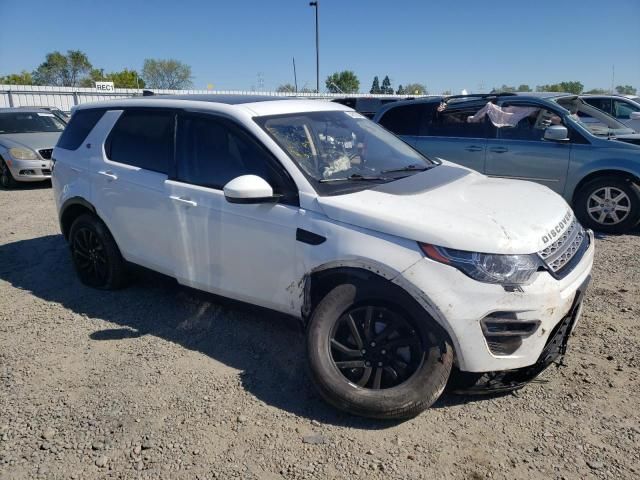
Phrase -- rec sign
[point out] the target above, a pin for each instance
(105, 86)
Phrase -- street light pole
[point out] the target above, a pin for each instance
(315, 4)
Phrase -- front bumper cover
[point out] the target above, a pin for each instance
(469, 383)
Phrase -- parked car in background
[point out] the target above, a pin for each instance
(400, 267)
(622, 108)
(27, 138)
(596, 167)
(367, 106)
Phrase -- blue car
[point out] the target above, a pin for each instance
(538, 137)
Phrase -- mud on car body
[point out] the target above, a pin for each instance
(403, 269)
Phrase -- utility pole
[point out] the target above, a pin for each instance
(295, 77)
(315, 4)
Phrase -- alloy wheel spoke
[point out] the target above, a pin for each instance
(602, 217)
(391, 371)
(349, 352)
(354, 331)
(620, 196)
(622, 208)
(377, 379)
(368, 315)
(366, 375)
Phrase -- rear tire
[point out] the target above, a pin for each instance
(608, 204)
(7, 181)
(361, 390)
(96, 257)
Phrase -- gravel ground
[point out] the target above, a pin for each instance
(160, 382)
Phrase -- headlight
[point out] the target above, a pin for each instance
(486, 267)
(23, 154)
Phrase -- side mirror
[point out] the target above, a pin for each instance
(249, 189)
(634, 116)
(556, 133)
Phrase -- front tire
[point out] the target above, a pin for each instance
(7, 181)
(96, 257)
(608, 204)
(374, 352)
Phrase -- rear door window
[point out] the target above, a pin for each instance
(81, 123)
(454, 123)
(603, 104)
(405, 119)
(144, 139)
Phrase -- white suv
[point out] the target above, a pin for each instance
(407, 272)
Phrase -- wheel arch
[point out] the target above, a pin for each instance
(613, 172)
(72, 209)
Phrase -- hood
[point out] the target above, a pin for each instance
(34, 141)
(455, 207)
(633, 138)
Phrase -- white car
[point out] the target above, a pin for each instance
(406, 271)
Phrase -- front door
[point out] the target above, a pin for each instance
(241, 251)
(521, 152)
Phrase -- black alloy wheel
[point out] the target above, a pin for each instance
(375, 347)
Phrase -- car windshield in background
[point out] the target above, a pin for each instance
(596, 121)
(343, 147)
(29, 122)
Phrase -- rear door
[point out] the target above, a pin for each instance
(521, 152)
(128, 186)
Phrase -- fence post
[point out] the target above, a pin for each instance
(75, 98)
(10, 98)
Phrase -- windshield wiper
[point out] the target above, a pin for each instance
(356, 178)
(408, 168)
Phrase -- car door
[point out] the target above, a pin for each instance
(439, 134)
(521, 152)
(242, 251)
(128, 175)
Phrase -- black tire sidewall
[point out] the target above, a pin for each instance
(115, 263)
(633, 192)
(403, 401)
(10, 182)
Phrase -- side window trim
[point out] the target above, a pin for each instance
(107, 143)
(291, 198)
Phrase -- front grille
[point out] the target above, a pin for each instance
(558, 255)
(46, 153)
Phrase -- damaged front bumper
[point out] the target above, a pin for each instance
(470, 383)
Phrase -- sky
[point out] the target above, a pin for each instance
(246, 44)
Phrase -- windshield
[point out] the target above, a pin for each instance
(339, 146)
(29, 122)
(594, 120)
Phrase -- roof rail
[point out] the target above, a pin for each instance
(479, 95)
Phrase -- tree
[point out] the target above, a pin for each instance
(375, 86)
(569, 87)
(22, 78)
(343, 82)
(415, 89)
(505, 89)
(169, 74)
(123, 79)
(386, 86)
(524, 88)
(400, 90)
(286, 88)
(626, 90)
(597, 91)
(62, 70)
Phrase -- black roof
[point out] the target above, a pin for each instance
(228, 99)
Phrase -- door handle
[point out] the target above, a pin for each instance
(184, 200)
(499, 149)
(473, 148)
(109, 174)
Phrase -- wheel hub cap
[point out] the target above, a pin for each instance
(608, 206)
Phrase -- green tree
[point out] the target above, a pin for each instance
(386, 86)
(343, 82)
(286, 88)
(169, 74)
(505, 89)
(400, 90)
(568, 87)
(626, 90)
(123, 79)
(597, 91)
(62, 70)
(22, 78)
(415, 89)
(375, 86)
(524, 88)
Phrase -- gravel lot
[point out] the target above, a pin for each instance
(160, 382)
